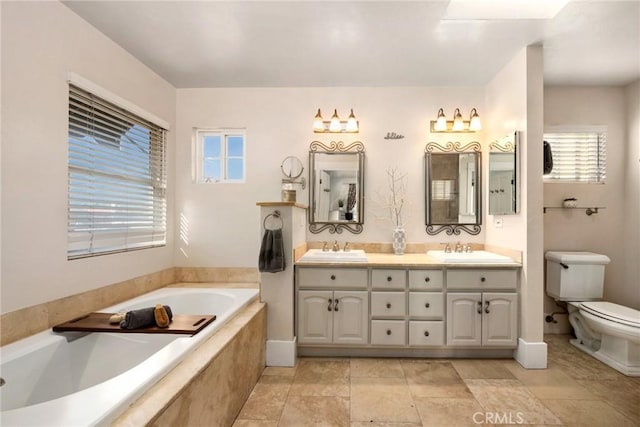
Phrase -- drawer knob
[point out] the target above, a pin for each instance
(427, 305)
(482, 279)
(388, 305)
(427, 279)
(388, 331)
(389, 278)
(333, 277)
(426, 333)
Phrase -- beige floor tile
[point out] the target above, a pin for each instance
(376, 368)
(279, 371)
(592, 413)
(511, 398)
(383, 424)
(382, 399)
(551, 383)
(255, 423)
(440, 411)
(321, 377)
(482, 369)
(315, 411)
(434, 379)
(623, 395)
(267, 399)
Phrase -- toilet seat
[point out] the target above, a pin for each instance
(613, 312)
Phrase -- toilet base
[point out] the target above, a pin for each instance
(629, 366)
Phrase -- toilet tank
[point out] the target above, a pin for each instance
(575, 276)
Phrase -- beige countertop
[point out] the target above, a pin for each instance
(406, 260)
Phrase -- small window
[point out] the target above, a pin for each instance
(579, 156)
(220, 156)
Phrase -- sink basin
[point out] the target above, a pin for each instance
(469, 257)
(354, 255)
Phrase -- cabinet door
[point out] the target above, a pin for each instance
(315, 317)
(464, 319)
(499, 319)
(350, 317)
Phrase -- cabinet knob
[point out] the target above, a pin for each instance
(388, 305)
(388, 331)
(482, 279)
(389, 278)
(427, 305)
(426, 333)
(333, 277)
(486, 307)
(427, 279)
(335, 305)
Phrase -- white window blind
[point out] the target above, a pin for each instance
(117, 179)
(577, 156)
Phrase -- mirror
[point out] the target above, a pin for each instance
(453, 188)
(504, 180)
(336, 196)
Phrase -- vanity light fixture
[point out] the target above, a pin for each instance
(458, 124)
(335, 125)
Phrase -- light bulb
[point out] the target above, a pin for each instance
(352, 123)
(441, 121)
(318, 126)
(334, 126)
(458, 123)
(474, 123)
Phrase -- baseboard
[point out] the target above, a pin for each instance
(281, 353)
(531, 355)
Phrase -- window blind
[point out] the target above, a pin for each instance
(117, 179)
(577, 156)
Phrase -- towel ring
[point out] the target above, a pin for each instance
(275, 214)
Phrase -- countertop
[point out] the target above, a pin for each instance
(407, 260)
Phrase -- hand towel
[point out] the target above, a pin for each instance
(142, 317)
(271, 258)
(548, 158)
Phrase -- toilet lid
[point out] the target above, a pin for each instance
(614, 312)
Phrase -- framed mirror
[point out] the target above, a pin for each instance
(504, 179)
(453, 188)
(336, 191)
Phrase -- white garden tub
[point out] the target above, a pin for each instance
(73, 379)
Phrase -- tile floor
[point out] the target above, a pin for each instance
(575, 390)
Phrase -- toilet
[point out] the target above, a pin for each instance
(609, 332)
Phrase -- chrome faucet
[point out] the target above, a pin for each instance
(459, 247)
(325, 247)
(467, 248)
(336, 246)
(346, 247)
(447, 248)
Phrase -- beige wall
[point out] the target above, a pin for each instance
(223, 221)
(514, 102)
(613, 231)
(41, 42)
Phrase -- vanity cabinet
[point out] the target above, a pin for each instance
(487, 316)
(333, 306)
(333, 317)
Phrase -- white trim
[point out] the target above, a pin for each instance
(281, 353)
(531, 355)
(107, 95)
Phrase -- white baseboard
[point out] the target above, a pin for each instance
(531, 355)
(281, 353)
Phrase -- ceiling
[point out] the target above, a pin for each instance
(364, 43)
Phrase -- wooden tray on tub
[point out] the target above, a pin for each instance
(189, 324)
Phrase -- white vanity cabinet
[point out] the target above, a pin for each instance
(332, 316)
(483, 318)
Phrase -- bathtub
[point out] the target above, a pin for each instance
(76, 379)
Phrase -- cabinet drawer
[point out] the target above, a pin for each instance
(482, 279)
(424, 333)
(388, 304)
(388, 332)
(425, 279)
(388, 279)
(335, 278)
(426, 304)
